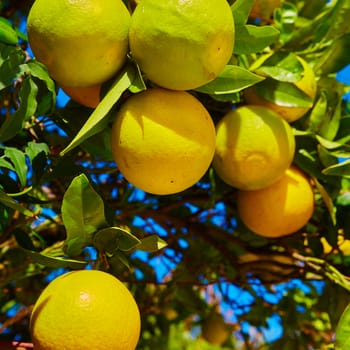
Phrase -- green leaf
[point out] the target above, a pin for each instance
(281, 66)
(152, 244)
(283, 93)
(327, 201)
(27, 108)
(335, 57)
(5, 164)
(112, 239)
(342, 332)
(97, 120)
(7, 34)
(318, 112)
(8, 201)
(250, 39)
(47, 88)
(54, 261)
(11, 64)
(82, 214)
(34, 148)
(18, 159)
(285, 18)
(232, 79)
(341, 169)
(241, 10)
(138, 83)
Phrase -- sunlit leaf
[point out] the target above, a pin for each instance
(342, 332)
(8, 35)
(97, 120)
(251, 39)
(232, 79)
(281, 66)
(283, 94)
(83, 214)
(241, 10)
(152, 244)
(18, 160)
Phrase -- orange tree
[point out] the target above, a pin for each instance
(187, 257)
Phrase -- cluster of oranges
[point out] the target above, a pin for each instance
(163, 139)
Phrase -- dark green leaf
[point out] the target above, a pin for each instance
(341, 169)
(8, 201)
(241, 10)
(54, 261)
(152, 244)
(336, 57)
(112, 239)
(233, 79)
(283, 94)
(250, 39)
(27, 108)
(327, 201)
(7, 34)
(82, 214)
(34, 148)
(11, 64)
(18, 159)
(47, 98)
(97, 120)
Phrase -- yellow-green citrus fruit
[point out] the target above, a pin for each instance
(280, 209)
(163, 141)
(307, 84)
(214, 329)
(254, 147)
(88, 96)
(81, 42)
(182, 45)
(85, 309)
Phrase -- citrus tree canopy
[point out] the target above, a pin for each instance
(192, 156)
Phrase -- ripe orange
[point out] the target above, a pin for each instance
(163, 141)
(182, 45)
(306, 84)
(86, 309)
(214, 329)
(88, 96)
(81, 42)
(280, 209)
(254, 147)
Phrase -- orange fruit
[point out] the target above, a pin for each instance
(182, 45)
(88, 96)
(254, 147)
(81, 42)
(86, 309)
(280, 209)
(214, 329)
(163, 141)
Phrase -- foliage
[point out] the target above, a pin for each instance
(64, 205)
